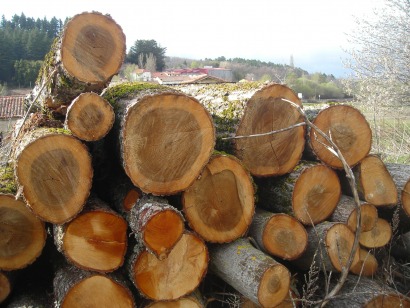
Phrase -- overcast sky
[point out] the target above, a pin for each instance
(313, 31)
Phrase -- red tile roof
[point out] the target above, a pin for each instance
(12, 106)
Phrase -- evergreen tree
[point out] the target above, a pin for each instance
(141, 50)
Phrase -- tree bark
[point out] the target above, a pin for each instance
(310, 193)
(219, 205)
(377, 237)
(156, 224)
(95, 240)
(279, 235)
(74, 287)
(251, 272)
(348, 129)
(329, 247)
(54, 173)
(89, 117)
(164, 137)
(346, 212)
(88, 53)
(22, 235)
(275, 154)
(184, 268)
(367, 265)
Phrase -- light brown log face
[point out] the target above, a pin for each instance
(275, 154)
(369, 218)
(93, 47)
(316, 194)
(96, 241)
(96, 292)
(22, 235)
(220, 204)
(181, 303)
(379, 236)
(274, 286)
(348, 129)
(130, 199)
(405, 198)
(167, 140)
(55, 172)
(367, 265)
(387, 301)
(184, 269)
(5, 287)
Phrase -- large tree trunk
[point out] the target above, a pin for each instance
(329, 247)
(184, 268)
(348, 129)
(74, 287)
(94, 240)
(156, 224)
(54, 172)
(251, 272)
(89, 117)
(22, 235)
(279, 235)
(274, 154)
(310, 193)
(88, 53)
(219, 206)
(165, 137)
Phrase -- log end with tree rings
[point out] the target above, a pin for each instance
(22, 235)
(219, 206)
(96, 240)
(55, 173)
(166, 140)
(369, 217)
(367, 265)
(184, 268)
(316, 194)
(377, 237)
(5, 287)
(348, 129)
(274, 154)
(90, 117)
(339, 243)
(93, 47)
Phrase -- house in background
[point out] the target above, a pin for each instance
(11, 110)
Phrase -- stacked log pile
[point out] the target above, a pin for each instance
(147, 204)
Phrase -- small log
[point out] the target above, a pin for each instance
(54, 172)
(156, 224)
(251, 272)
(74, 287)
(184, 268)
(377, 237)
(95, 240)
(290, 301)
(329, 247)
(275, 154)
(348, 129)
(346, 212)
(365, 292)
(219, 205)
(367, 265)
(310, 193)
(23, 235)
(193, 300)
(164, 138)
(89, 117)
(279, 235)
(6, 285)
(88, 53)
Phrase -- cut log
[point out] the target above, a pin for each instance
(367, 293)
(265, 111)
(219, 206)
(89, 117)
(88, 53)
(94, 240)
(279, 235)
(251, 272)
(290, 301)
(54, 172)
(346, 212)
(156, 224)
(184, 268)
(367, 265)
(165, 137)
(74, 287)
(193, 300)
(378, 237)
(6, 285)
(310, 193)
(22, 235)
(329, 247)
(348, 129)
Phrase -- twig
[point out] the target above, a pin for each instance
(268, 133)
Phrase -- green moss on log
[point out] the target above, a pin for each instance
(7, 182)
